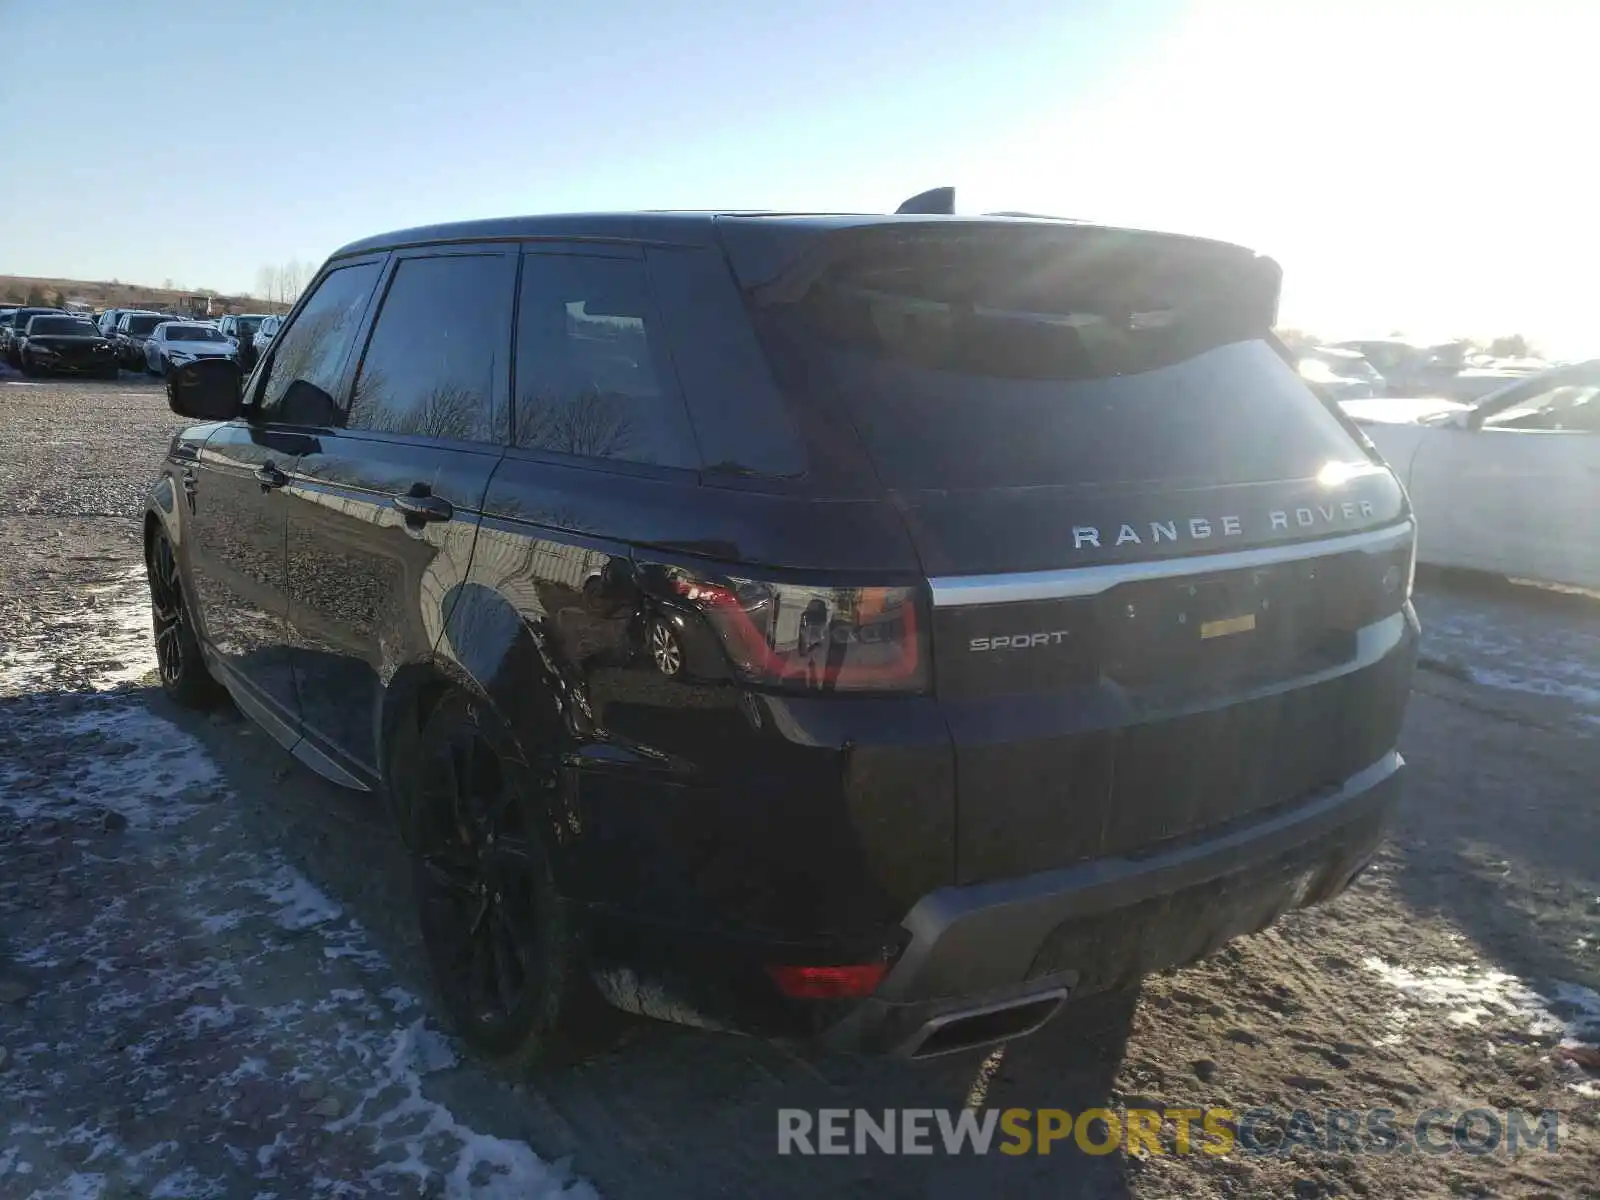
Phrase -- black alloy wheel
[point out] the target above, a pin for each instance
(497, 933)
(183, 672)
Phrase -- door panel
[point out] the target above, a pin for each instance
(237, 557)
(1438, 469)
(1516, 501)
(384, 511)
(369, 588)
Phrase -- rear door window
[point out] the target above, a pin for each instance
(1013, 358)
(437, 363)
(593, 378)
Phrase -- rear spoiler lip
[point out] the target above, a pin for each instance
(775, 260)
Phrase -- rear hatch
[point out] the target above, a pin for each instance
(1152, 550)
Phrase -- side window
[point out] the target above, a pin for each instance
(741, 421)
(306, 361)
(593, 377)
(437, 361)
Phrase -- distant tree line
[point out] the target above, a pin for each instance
(36, 297)
(283, 283)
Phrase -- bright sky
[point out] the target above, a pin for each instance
(1426, 166)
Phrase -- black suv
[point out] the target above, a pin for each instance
(132, 330)
(15, 325)
(880, 627)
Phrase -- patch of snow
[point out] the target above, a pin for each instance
(226, 975)
(77, 1186)
(299, 904)
(124, 758)
(188, 1184)
(1470, 993)
(401, 999)
(1502, 644)
(1585, 691)
(406, 1120)
(1473, 993)
(123, 630)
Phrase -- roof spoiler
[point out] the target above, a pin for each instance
(934, 200)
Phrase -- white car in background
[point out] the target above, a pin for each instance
(1340, 374)
(1510, 484)
(174, 343)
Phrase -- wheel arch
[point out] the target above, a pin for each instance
(512, 696)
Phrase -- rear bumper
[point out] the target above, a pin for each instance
(995, 960)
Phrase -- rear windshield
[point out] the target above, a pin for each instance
(248, 324)
(143, 324)
(75, 325)
(1009, 358)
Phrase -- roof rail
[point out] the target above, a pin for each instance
(934, 200)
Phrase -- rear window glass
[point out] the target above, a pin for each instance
(143, 324)
(64, 325)
(1003, 358)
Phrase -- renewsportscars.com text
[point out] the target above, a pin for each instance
(1213, 1131)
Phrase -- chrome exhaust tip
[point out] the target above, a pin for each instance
(984, 1025)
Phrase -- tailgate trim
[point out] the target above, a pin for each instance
(950, 591)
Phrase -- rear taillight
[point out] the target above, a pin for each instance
(810, 637)
(828, 983)
(1367, 586)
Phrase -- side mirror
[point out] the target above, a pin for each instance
(208, 389)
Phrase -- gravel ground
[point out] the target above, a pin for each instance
(210, 983)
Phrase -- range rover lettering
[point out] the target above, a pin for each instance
(881, 628)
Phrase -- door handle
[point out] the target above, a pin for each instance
(420, 504)
(270, 476)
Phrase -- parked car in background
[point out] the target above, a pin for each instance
(173, 343)
(1446, 369)
(241, 330)
(11, 332)
(133, 327)
(1510, 484)
(1340, 374)
(65, 343)
(840, 625)
(264, 334)
(240, 326)
(107, 322)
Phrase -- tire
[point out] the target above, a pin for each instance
(184, 677)
(27, 366)
(149, 370)
(665, 648)
(501, 942)
(110, 373)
